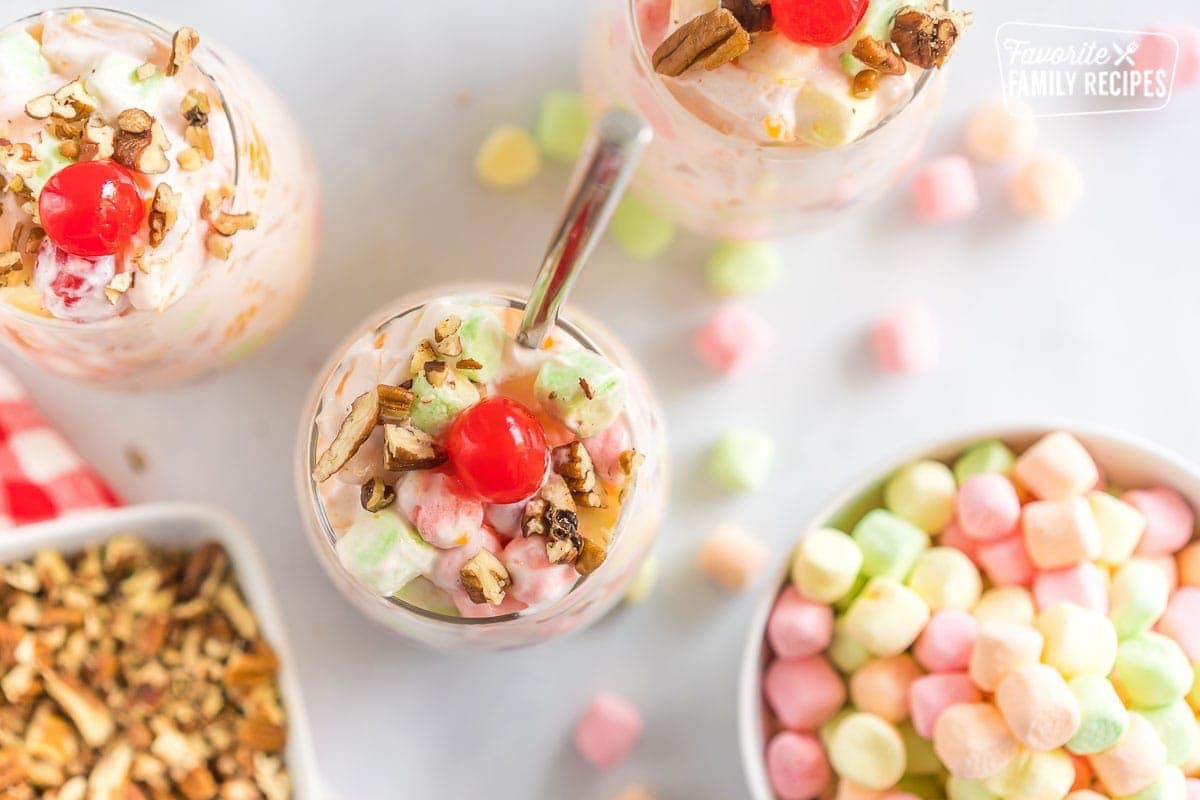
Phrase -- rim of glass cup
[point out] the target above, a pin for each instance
(505, 297)
(202, 53)
(666, 97)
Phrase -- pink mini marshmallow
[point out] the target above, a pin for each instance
(1056, 467)
(1159, 52)
(1170, 521)
(987, 507)
(796, 766)
(732, 339)
(944, 190)
(930, 695)
(442, 510)
(535, 581)
(607, 731)
(1059, 533)
(954, 536)
(506, 519)
(804, 694)
(1193, 788)
(1083, 584)
(945, 644)
(798, 627)
(907, 341)
(1181, 621)
(606, 448)
(1006, 562)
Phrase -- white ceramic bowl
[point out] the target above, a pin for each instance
(186, 525)
(1125, 460)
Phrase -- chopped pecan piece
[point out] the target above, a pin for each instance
(261, 734)
(198, 784)
(574, 463)
(140, 143)
(864, 84)
(879, 56)
(12, 768)
(629, 462)
(485, 578)
(356, 428)
(468, 363)
(183, 44)
(228, 224)
(394, 403)
(422, 356)
(450, 346)
(927, 37)
(407, 448)
(164, 213)
(708, 41)
(376, 495)
(753, 15)
(96, 142)
(552, 514)
(218, 245)
(591, 556)
(204, 571)
(436, 373)
(446, 327)
(91, 716)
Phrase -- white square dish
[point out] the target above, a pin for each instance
(187, 525)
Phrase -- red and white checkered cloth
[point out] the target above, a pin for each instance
(41, 476)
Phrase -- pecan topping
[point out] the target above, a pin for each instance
(204, 571)
(407, 448)
(864, 84)
(96, 141)
(70, 102)
(485, 578)
(926, 38)
(394, 403)
(164, 213)
(436, 373)
(879, 56)
(446, 328)
(629, 462)
(753, 15)
(552, 514)
(9, 262)
(121, 283)
(183, 44)
(356, 428)
(708, 41)
(218, 245)
(422, 356)
(140, 142)
(228, 224)
(376, 495)
(574, 463)
(591, 556)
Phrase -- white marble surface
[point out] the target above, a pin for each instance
(1095, 319)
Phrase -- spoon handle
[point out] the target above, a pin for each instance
(608, 163)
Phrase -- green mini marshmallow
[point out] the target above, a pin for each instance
(421, 592)
(890, 545)
(114, 82)
(923, 493)
(1138, 596)
(1171, 785)
(435, 407)
(582, 390)
(1176, 727)
(483, 339)
(1103, 718)
(741, 268)
(383, 552)
(990, 456)
(562, 125)
(1151, 671)
(845, 651)
(741, 459)
(964, 789)
(52, 161)
(640, 230)
(21, 59)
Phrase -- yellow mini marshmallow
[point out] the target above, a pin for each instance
(946, 578)
(923, 493)
(1079, 641)
(886, 618)
(868, 751)
(845, 651)
(825, 565)
(964, 789)
(1007, 604)
(1120, 525)
(1035, 775)
(508, 158)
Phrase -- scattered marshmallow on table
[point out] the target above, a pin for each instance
(798, 627)
(608, 730)
(1038, 707)
(732, 557)
(944, 190)
(881, 687)
(907, 341)
(740, 268)
(797, 766)
(507, 159)
(804, 694)
(1156, 51)
(1003, 130)
(1047, 186)
(733, 339)
(741, 459)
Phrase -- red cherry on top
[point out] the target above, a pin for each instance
(818, 22)
(91, 209)
(498, 449)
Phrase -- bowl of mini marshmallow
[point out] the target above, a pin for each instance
(1012, 614)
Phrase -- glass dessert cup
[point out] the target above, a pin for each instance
(592, 595)
(726, 186)
(230, 307)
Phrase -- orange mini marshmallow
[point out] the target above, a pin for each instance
(1187, 565)
(973, 742)
(1040, 710)
(881, 687)
(1134, 762)
(1057, 467)
(1001, 648)
(732, 557)
(1060, 533)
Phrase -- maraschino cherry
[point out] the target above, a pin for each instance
(498, 450)
(91, 209)
(818, 22)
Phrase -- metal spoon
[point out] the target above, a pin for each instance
(611, 154)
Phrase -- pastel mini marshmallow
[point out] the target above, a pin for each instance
(803, 694)
(1120, 526)
(930, 695)
(535, 581)
(1006, 603)
(1187, 565)
(987, 507)
(443, 511)
(1078, 641)
(1102, 716)
(1001, 648)
(1085, 794)
(1167, 566)
(963, 789)
(1174, 49)
(1006, 562)
(1170, 521)
(982, 458)
(1171, 785)
(889, 543)
(1134, 762)
(1059, 533)
(973, 741)
(868, 751)
(1057, 467)
(733, 339)
(796, 766)
(849, 790)
(732, 557)
(953, 536)
(448, 564)
(881, 686)
(923, 493)
(947, 641)
(1177, 729)
(1047, 186)
(1137, 596)
(1038, 708)
(1192, 787)
(1151, 671)
(845, 651)
(887, 617)
(798, 627)
(608, 730)
(1181, 620)
(1035, 774)
(946, 579)
(907, 341)
(944, 190)
(1084, 776)
(825, 564)
(1084, 585)
(1003, 130)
